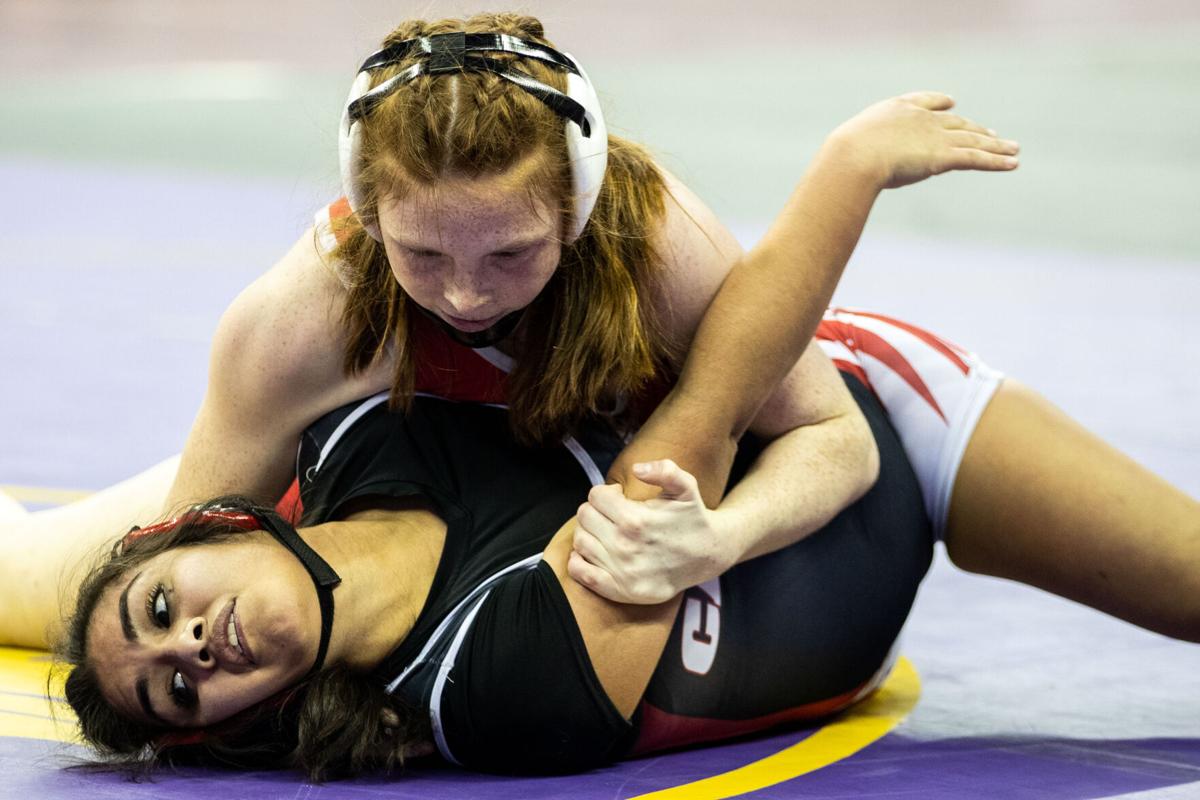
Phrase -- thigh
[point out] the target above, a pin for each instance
(1041, 500)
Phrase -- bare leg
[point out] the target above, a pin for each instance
(46, 552)
(1040, 500)
(10, 509)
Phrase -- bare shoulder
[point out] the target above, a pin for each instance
(276, 367)
(697, 251)
(282, 337)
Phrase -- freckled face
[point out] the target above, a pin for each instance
(472, 250)
(199, 633)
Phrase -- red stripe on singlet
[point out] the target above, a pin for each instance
(339, 211)
(290, 506)
(861, 340)
(947, 349)
(456, 372)
(662, 730)
(854, 369)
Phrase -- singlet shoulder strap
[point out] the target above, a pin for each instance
(331, 228)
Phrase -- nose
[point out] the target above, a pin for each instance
(190, 644)
(465, 294)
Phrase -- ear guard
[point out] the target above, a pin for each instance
(324, 578)
(443, 53)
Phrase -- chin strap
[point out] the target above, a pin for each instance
(323, 577)
(477, 339)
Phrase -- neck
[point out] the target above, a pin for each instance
(387, 559)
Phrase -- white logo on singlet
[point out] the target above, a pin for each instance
(701, 626)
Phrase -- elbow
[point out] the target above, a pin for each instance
(861, 443)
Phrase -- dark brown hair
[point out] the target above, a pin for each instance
(591, 335)
(335, 724)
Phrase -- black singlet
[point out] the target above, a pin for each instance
(496, 656)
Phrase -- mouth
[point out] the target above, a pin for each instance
(229, 639)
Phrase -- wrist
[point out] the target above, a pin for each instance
(846, 157)
(730, 541)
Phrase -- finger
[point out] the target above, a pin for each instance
(591, 520)
(990, 144)
(608, 501)
(591, 577)
(970, 158)
(955, 122)
(676, 482)
(590, 549)
(934, 101)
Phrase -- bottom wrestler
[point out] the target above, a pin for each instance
(456, 623)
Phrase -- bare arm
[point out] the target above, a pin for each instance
(624, 642)
(821, 456)
(772, 302)
(757, 327)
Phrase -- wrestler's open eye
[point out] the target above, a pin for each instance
(156, 606)
(182, 694)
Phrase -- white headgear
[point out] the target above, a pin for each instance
(587, 138)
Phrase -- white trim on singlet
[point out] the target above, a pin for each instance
(984, 382)
(345, 425)
(585, 460)
(477, 596)
(328, 242)
(501, 361)
(324, 227)
(443, 675)
(836, 349)
(442, 627)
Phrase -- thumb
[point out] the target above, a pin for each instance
(933, 101)
(676, 483)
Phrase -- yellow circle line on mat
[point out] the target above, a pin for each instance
(43, 496)
(865, 723)
(25, 710)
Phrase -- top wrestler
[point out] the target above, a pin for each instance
(487, 205)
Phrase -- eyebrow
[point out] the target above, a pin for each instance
(123, 609)
(143, 694)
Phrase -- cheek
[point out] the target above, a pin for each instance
(417, 280)
(413, 282)
(227, 694)
(533, 278)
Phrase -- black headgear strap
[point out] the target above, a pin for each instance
(323, 576)
(461, 52)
